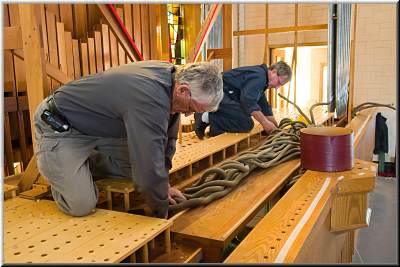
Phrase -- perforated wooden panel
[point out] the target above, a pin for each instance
(36, 232)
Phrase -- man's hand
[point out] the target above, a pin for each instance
(269, 127)
(175, 196)
(264, 121)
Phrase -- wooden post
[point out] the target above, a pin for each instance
(168, 240)
(266, 45)
(34, 60)
(227, 33)
(296, 18)
(352, 67)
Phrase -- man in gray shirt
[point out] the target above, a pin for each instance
(120, 123)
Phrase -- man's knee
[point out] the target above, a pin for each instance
(77, 206)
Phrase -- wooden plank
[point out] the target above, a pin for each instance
(84, 59)
(113, 50)
(22, 138)
(80, 21)
(282, 29)
(92, 56)
(93, 15)
(53, 9)
(219, 53)
(29, 176)
(352, 63)
(181, 253)
(164, 33)
(128, 18)
(19, 66)
(137, 22)
(251, 195)
(69, 51)
(8, 150)
(62, 52)
(227, 34)
(98, 50)
(66, 16)
(192, 24)
(155, 35)
(106, 46)
(12, 38)
(52, 40)
(34, 56)
(266, 38)
(122, 58)
(77, 64)
(144, 15)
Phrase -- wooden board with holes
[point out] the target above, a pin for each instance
(216, 224)
(297, 228)
(37, 232)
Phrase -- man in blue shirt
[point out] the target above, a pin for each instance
(244, 96)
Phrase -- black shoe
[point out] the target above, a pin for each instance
(199, 125)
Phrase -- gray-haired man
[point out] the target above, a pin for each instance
(120, 123)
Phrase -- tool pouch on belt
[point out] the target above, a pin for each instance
(54, 118)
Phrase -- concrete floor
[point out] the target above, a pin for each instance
(379, 242)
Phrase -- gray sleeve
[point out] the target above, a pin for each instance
(171, 143)
(146, 129)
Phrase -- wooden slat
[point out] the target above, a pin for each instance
(113, 50)
(227, 34)
(12, 38)
(9, 82)
(266, 38)
(84, 59)
(66, 16)
(22, 139)
(122, 58)
(282, 29)
(80, 21)
(69, 51)
(93, 15)
(52, 39)
(34, 56)
(137, 30)
(106, 46)
(219, 53)
(8, 150)
(77, 64)
(92, 56)
(99, 51)
(62, 53)
(19, 66)
(155, 35)
(29, 176)
(128, 18)
(352, 63)
(164, 33)
(53, 9)
(144, 15)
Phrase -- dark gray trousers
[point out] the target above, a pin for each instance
(70, 159)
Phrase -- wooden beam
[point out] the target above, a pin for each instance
(204, 31)
(125, 40)
(266, 42)
(282, 29)
(164, 33)
(227, 34)
(34, 60)
(12, 38)
(352, 66)
(219, 53)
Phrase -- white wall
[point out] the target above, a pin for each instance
(375, 61)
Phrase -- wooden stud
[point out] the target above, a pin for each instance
(80, 21)
(77, 65)
(144, 15)
(98, 49)
(69, 52)
(145, 254)
(22, 138)
(282, 29)
(109, 199)
(167, 235)
(126, 202)
(62, 54)
(84, 59)
(266, 39)
(164, 33)
(192, 24)
(210, 160)
(137, 30)
(113, 50)
(155, 33)
(34, 56)
(66, 16)
(352, 64)
(106, 46)
(223, 154)
(121, 51)
(53, 51)
(227, 33)
(8, 145)
(92, 56)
